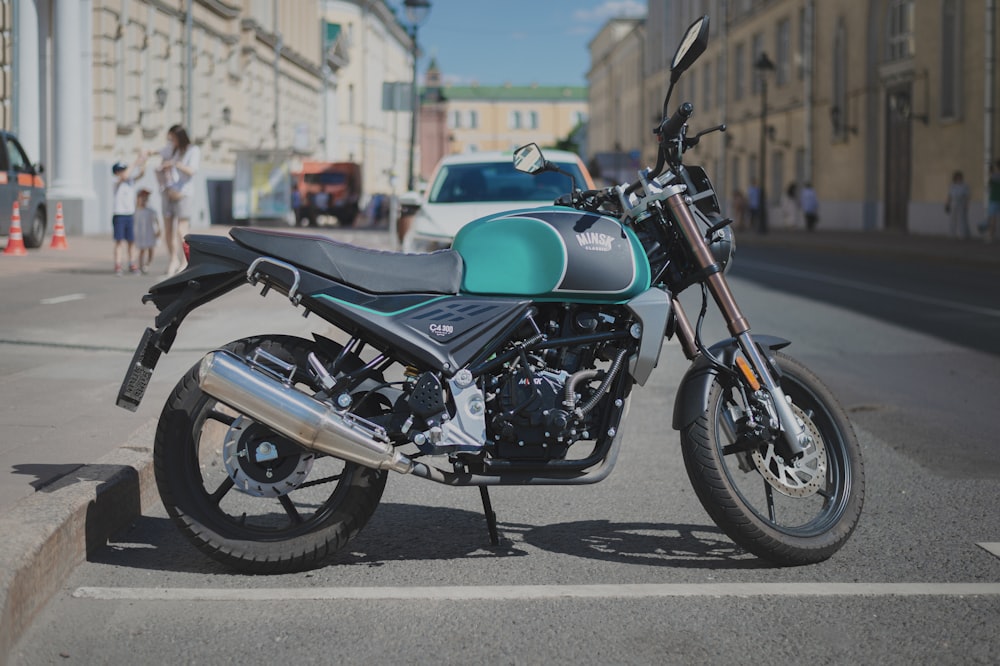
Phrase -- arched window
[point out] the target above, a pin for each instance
(899, 43)
(838, 111)
(951, 58)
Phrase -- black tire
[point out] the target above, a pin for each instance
(34, 231)
(251, 534)
(801, 530)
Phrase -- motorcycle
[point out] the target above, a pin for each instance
(508, 359)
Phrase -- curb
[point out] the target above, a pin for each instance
(47, 535)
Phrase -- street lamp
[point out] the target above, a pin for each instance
(416, 13)
(763, 66)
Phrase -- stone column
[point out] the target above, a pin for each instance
(72, 128)
(27, 111)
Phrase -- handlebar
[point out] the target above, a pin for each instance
(672, 126)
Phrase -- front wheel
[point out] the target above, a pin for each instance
(787, 512)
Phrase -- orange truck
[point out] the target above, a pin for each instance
(326, 188)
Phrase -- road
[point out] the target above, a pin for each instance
(630, 570)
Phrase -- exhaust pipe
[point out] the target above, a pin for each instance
(290, 412)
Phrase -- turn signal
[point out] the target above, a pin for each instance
(747, 373)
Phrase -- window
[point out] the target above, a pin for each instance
(838, 111)
(514, 120)
(707, 86)
(951, 58)
(533, 119)
(455, 120)
(784, 51)
(803, 27)
(757, 49)
(739, 72)
(720, 81)
(736, 173)
(473, 119)
(899, 38)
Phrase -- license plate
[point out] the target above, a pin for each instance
(140, 371)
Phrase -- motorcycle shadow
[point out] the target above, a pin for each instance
(403, 533)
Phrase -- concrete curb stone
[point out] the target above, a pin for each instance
(47, 535)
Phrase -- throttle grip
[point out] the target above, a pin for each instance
(671, 127)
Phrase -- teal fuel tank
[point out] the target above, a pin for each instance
(552, 253)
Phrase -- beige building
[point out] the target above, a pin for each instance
(85, 83)
(487, 118)
(877, 102)
(619, 114)
(378, 50)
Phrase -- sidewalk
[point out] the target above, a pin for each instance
(48, 533)
(888, 244)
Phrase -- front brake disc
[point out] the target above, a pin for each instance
(802, 477)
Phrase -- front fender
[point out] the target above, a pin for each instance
(692, 394)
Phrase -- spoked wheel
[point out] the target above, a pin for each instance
(787, 512)
(248, 497)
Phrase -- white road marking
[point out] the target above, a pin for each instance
(872, 288)
(534, 592)
(993, 548)
(63, 299)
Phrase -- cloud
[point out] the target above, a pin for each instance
(611, 9)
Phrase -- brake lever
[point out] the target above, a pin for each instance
(693, 141)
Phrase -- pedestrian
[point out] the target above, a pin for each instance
(989, 226)
(147, 230)
(790, 206)
(753, 205)
(957, 206)
(810, 206)
(123, 209)
(739, 209)
(180, 162)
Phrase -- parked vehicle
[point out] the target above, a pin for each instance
(470, 185)
(21, 181)
(506, 360)
(328, 188)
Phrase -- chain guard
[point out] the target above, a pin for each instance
(262, 463)
(805, 476)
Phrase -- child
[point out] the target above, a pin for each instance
(147, 230)
(124, 208)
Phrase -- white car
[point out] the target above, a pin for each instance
(468, 186)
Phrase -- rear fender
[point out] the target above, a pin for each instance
(692, 394)
(216, 266)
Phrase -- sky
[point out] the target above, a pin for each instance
(492, 42)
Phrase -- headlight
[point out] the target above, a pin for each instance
(417, 242)
(723, 245)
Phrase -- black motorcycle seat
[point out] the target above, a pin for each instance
(374, 271)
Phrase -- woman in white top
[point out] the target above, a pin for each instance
(180, 163)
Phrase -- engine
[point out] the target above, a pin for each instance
(543, 403)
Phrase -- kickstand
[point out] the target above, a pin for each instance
(491, 518)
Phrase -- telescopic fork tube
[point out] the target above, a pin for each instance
(795, 436)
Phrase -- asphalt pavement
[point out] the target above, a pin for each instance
(56, 515)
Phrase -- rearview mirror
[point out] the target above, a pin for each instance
(529, 159)
(692, 45)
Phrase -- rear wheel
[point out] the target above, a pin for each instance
(786, 512)
(34, 231)
(248, 497)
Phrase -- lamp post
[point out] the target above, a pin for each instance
(763, 66)
(416, 13)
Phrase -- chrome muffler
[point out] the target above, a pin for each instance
(286, 410)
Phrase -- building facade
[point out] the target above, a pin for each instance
(618, 130)
(876, 102)
(367, 127)
(86, 83)
(488, 118)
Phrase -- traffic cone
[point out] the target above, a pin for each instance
(59, 233)
(15, 241)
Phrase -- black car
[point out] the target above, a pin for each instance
(21, 180)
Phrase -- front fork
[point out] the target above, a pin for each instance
(794, 435)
